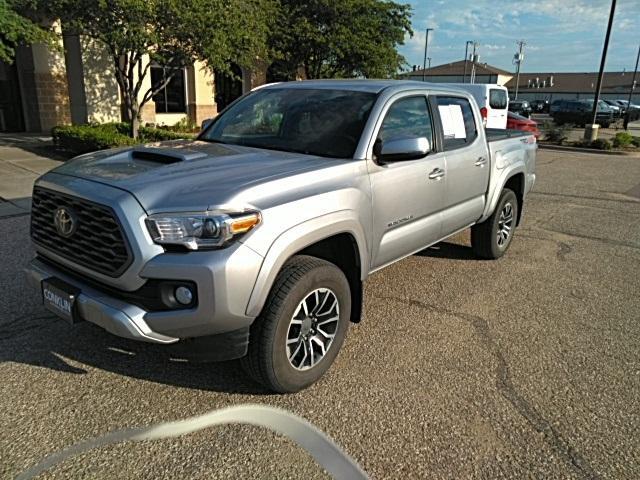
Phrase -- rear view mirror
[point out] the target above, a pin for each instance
(401, 149)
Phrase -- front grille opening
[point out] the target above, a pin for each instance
(98, 242)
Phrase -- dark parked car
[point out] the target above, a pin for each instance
(540, 106)
(578, 112)
(521, 107)
(556, 105)
(634, 110)
(618, 110)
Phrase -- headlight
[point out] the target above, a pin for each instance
(200, 230)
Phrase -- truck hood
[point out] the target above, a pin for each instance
(188, 175)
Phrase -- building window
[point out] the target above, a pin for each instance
(171, 98)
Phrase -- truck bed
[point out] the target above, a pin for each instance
(494, 134)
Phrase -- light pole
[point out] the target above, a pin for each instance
(426, 47)
(466, 57)
(429, 60)
(591, 133)
(633, 86)
(473, 62)
(518, 59)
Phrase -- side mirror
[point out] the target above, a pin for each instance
(401, 149)
(205, 123)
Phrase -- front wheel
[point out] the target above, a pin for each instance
(302, 326)
(491, 238)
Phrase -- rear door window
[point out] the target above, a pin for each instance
(458, 123)
(497, 98)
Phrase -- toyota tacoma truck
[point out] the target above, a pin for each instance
(253, 241)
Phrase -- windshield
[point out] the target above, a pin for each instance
(311, 121)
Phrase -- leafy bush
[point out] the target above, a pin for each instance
(556, 133)
(622, 139)
(636, 141)
(79, 139)
(184, 125)
(601, 144)
(154, 134)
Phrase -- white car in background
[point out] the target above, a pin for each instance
(492, 99)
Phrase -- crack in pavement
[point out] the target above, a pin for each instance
(564, 249)
(15, 327)
(507, 389)
(616, 243)
(14, 215)
(608, 241)
(581, 197)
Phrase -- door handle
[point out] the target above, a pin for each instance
(436, 174)
(480, 162)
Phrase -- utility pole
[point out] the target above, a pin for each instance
(466, 57)
(518, 60)
(633, 86)
(591, 131)
(473, 62)
(426, 47)
(429, 60)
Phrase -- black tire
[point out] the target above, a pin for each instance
(484, 236)
(267, 359)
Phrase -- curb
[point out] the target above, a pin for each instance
(588, 150)
(10, 209)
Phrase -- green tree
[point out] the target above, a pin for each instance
(340, 38)
(171, 33)
(17, 28)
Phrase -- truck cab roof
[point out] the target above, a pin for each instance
(373, 86)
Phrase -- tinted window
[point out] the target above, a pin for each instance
(497, 98)
(407, 118)
(170, 98)
(458, 123)
(313, 121)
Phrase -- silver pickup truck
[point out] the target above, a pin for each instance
(254, 240)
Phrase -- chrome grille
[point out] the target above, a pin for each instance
(98, 241)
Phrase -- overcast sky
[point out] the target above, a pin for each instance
(560, 35)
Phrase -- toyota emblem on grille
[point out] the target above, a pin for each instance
(65, 221)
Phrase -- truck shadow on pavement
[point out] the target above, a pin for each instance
(42, 340)
(452, 251)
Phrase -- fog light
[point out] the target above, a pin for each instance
(184, 295)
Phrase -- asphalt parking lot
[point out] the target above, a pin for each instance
(526, 367)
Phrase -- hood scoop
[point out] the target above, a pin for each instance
(165, 156)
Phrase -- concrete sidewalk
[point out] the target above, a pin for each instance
(23, 158)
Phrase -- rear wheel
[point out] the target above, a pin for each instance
(491, 238)
(302, 326)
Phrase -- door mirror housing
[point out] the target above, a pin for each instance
(205, 123)
(401, 149)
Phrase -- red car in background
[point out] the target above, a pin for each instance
(518, 122)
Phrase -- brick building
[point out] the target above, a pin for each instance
(45, 87)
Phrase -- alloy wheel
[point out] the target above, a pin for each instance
(312, 328)
(505, 225)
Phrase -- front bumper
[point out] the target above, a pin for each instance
(224, 280)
